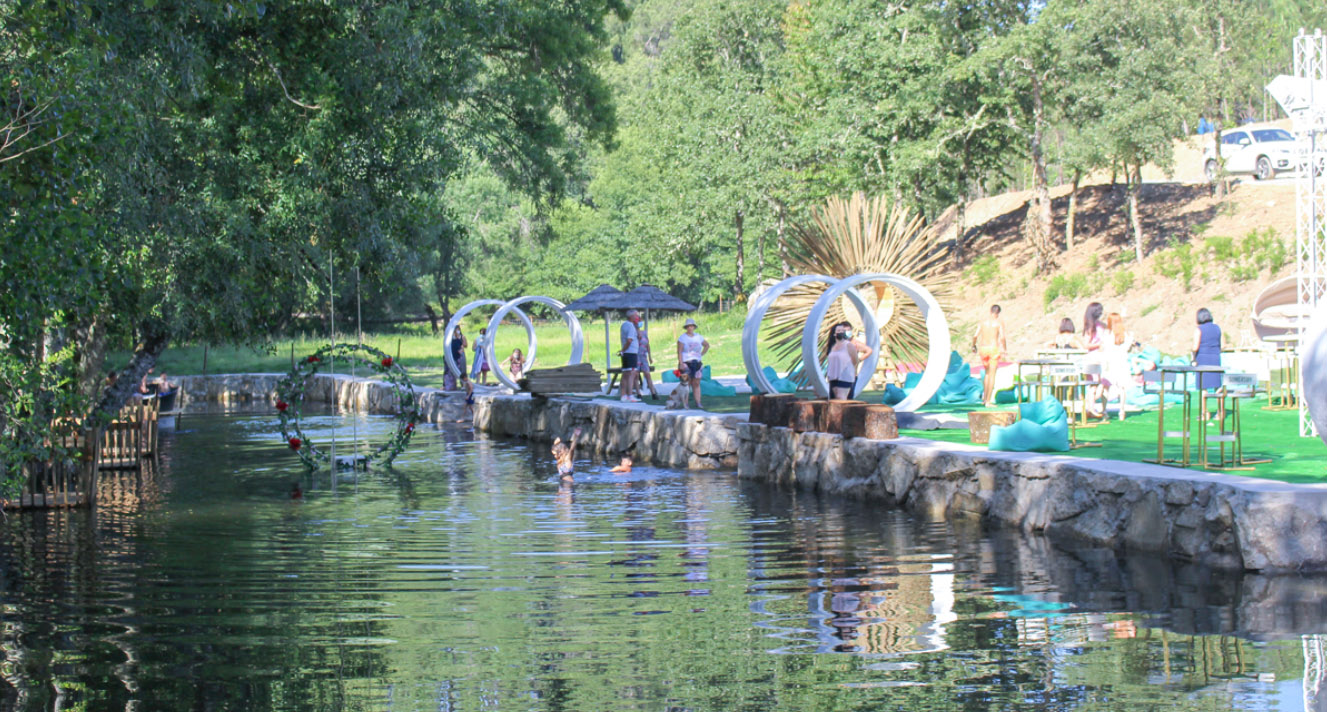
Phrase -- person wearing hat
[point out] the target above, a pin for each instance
(691, 350)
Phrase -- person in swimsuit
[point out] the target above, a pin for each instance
(563, 455)
(989, 343)
(516, 365)
(624, 465)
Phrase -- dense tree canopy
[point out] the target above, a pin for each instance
(195, 170)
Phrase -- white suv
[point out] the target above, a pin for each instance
(1262, 152)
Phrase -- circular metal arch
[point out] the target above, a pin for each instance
(573, 326)
(1313, 371)
(756, 314)
(455, 321)
(937, 332)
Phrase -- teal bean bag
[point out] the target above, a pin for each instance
(668, 376)
(714, 388)
(957, 388)
(893, 395)
(1010, 395)
(781, 385)
(1043, 426)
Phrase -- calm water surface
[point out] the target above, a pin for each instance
(467, 579)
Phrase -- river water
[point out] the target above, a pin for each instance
(466, 578)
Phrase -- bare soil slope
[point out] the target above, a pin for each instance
(1199, 253)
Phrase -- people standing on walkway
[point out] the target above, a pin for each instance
(691, 350)
(1207, 349)
(480, 369)
(457, 345)
(989, 342)
(629, 338)
(1095, 335)
(842, 361)
(645, 363)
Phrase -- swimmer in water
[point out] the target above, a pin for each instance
(625, 465)
(563, 453)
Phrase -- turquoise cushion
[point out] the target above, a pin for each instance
(714, 388)
(1044, 427)
(911, 380)
(781, 385)
(668, 377)
(893, 395)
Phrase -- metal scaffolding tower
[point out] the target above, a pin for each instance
(1310, 124)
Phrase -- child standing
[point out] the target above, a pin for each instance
(516, 365)
(564, 454)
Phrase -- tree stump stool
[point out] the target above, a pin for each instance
(876, 422)
(981, 422)
(804, 416)
(770, 408)
(777, 408)
(832, 419)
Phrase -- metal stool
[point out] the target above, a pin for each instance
(1235, 386)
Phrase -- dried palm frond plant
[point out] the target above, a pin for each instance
(858, 236)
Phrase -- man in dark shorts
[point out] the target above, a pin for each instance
(630, 339)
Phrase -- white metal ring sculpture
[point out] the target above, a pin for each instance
(756, 314)
(573, 326)
(937, 328)
(1313, 371)
(937, 332)
(455, 321)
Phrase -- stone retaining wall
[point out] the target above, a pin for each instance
(362, 395)
(687, 439)
(1216, 520)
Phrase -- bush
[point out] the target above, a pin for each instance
(984, 269)
(1178, 262)
(1123, 281)
(1222, 248)
(1071, 286)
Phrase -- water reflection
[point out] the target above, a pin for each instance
(468, 577)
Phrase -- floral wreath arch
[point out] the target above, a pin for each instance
(290, 397)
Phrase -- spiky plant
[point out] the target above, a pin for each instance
(858, 236)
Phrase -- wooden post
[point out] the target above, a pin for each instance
(205, 359)
(772, 409)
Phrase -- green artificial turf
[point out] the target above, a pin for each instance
(1266, 434)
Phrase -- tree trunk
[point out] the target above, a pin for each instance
(433, 318)
(780, 231)
(760, 256)
(1222, 183)
(155, 338)
(1041, 202)
(960, 229)
(1073, 211)
(739, 281)
(1135, 184)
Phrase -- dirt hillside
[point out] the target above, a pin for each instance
(1200, 252)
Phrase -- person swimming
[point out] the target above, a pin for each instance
(624, 465)
(563, 455)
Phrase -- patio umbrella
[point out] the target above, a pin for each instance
(601, 299)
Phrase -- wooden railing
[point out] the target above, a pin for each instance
(71, 480)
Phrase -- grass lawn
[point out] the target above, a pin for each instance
(422, 353)
(1267, 434)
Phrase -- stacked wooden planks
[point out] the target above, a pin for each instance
(576, 378)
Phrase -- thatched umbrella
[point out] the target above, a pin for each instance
(601, 299)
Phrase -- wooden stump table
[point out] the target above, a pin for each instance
(876, 422)
(981, 422)
(771, 408)
(804, 416)
(832, 419)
